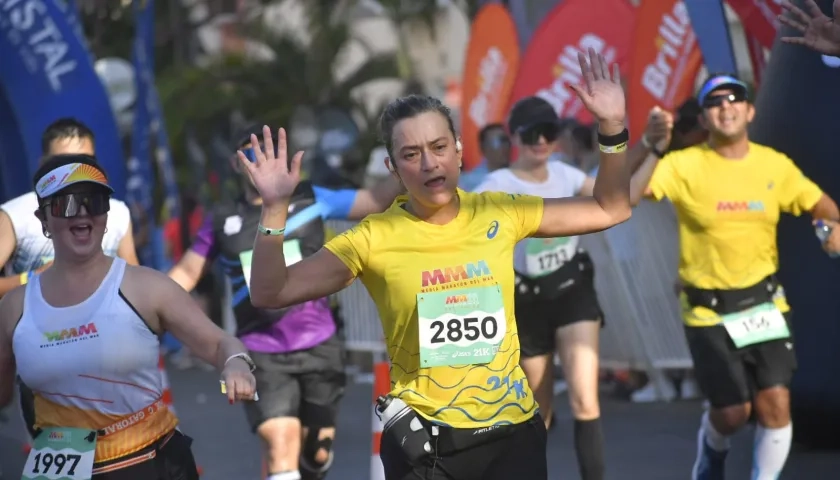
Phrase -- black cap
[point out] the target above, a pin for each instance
(243, 135)
(60, 171)
(531, 111)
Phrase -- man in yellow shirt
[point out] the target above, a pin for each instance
(728, 194)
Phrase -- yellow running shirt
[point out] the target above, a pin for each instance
(728, 211)
(405, 262)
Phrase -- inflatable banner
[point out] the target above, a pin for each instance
(550, 62)
(46, 73)
(758, 18)
(708, 18)
(665, 62)
(491, 64)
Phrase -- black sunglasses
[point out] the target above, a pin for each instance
(530, 135)
(712, 101)
(70, 205)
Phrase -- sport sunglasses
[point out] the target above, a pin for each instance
(530, 135)
(70, 205)
(712, 101)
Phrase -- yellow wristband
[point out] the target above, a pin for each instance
(24, 277)
(613, 149)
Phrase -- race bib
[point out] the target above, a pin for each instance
(291, 252)
(758, 324)
(460, 327)
(547, 255)
(61, 454)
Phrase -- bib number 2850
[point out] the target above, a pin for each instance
(460, 327)
(469, 328)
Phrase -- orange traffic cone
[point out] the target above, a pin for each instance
(381, 386)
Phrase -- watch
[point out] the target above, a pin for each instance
(245, 358)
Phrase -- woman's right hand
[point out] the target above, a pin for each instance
(274, 177)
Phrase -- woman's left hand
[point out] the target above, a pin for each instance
(239, 382)
(601, 93)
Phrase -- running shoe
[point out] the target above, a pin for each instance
(710, 464)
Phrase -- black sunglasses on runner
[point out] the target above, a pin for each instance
(70, 205)
(717, 100)
(531, 134)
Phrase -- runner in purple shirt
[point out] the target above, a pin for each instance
(298, 350)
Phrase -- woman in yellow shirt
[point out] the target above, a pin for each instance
(438, 265)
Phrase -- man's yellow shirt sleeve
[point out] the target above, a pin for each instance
(797, 193)
(666, 181)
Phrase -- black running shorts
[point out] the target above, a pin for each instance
(728, 376)
(306, 384)
(537, 321)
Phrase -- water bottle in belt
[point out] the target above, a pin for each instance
(823, 232)
(402, 425)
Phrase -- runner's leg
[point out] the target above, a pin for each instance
(536, 342)
(578, 345)
(275, 417)
(723, 379)
(322, 389)
(774, 363)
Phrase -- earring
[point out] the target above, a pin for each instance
(47, 234)
(106, 229)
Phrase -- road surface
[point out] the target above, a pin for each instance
(651, 442)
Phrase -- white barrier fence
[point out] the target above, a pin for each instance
(636, 269)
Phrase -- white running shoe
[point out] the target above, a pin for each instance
(689, 390)
(662, 391)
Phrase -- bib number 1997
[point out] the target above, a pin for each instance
(61, 454)
(460, 327)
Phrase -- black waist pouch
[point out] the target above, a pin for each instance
(577, 270)
(724, 302)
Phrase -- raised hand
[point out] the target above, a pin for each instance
(659, 126)
(819, 32)
(274, 177)
(601, 93)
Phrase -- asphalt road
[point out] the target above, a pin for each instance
(651, 442)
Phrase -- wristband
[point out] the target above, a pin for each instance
(613, 149)
(273, 232)
(245, 358)
(24, 277)
(614, 140)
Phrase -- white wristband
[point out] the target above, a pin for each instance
(245, 358)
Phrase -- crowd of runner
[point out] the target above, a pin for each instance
(471, 353)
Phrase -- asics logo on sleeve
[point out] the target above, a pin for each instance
(493, 230)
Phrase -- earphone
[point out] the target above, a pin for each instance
(458, 145)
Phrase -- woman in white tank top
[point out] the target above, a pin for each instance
(84, 336)
(556, 304)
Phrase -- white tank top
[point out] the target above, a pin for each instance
(537, 257)
(93, 365)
